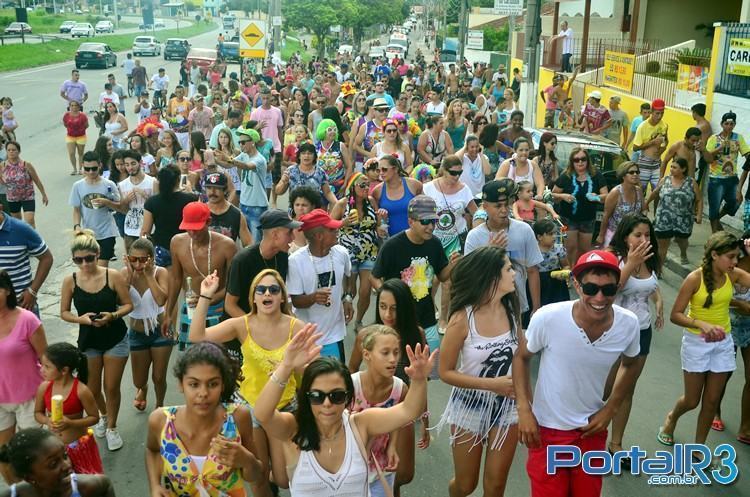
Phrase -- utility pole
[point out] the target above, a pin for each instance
(277, 30)
(531, 59)
(463, 22)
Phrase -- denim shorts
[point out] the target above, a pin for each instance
(290, 407)
(139, 340)
(121, 349)
(581, 226)
(252, 216)
(358, 266)
(722, 189)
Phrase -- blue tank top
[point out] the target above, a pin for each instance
(457, 136)
(397, 209)
(73, 486)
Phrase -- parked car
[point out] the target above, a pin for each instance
(345, 49)
(376, 52)
(145, 27)
(82, 29)
(104, 27)
(66, 26)
(159, 23)
(204, 57)
(176, 48)
(95, 54)
(146, 45)
(16, 28)
(230, 50)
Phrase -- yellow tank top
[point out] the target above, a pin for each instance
(258, 364)
(718, 312)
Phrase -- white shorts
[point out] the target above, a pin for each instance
(21, 415)
(699, 356)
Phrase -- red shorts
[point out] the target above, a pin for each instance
(84, 456)
(566, 482)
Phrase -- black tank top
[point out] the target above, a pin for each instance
(227, 224)
(105, 300)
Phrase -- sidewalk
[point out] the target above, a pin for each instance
(701, 232)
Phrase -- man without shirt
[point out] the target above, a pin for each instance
(684, 148)
(579, 342)
(651, 140)
(699, 115)
(197, 253)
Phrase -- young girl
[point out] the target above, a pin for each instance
(209, 436)
(707, 346)
(9, 120)
(527, 209)
(264, 333)
(148, 347)
(483, 330)
(378, 387)
(59, 363)
(38, 457)
(370, 168)
(554, 258)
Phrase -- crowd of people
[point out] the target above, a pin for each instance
(403, 180)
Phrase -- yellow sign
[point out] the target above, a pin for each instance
(738, 57)
(618, 70)
(253, 38)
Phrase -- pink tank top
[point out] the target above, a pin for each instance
(18, 180)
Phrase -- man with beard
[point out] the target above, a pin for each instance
(197, 253)
(135, 190)
(226, 219)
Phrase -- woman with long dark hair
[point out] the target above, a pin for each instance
(197, 147)
(318, 437)
(104, 150)
(484, 324)
(170, 145)
(488, 140)
(625, 198)
(632, 243)
(138, 143)
(115, 125)
(545, 159)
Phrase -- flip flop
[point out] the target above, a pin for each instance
(664, 438)
(717, 425)
(744, 440)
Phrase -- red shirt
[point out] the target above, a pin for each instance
(76, 126)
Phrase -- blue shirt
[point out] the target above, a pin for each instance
(18, 241)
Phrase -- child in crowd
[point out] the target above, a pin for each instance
(65, 369)
(553, 288)
(371, 169)
(525, 208)
(567, 117)
(9, 120)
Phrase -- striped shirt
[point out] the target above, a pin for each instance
(18, 241)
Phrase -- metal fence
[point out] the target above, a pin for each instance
(731, 84)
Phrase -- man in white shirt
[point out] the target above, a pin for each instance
(579, 342)
(134, 191)
(107, 96)
(318, 275)
(160, 84)
(566, 34)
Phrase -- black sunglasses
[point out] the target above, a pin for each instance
(272, 289)
(183, 159)
(317, 397)
(634, 171)
(90, 168)
(591, 289)
(427, 222)
(85, 258)
(244, 141)
(453, 172)
(580, 159)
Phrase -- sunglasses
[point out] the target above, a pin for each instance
(453, 172)
(338, 397)
(580, 159)
(90, 168)
(384, 169)
(591, 289)
(244, 141)
(142, 260)
(183, 159)
(390, 131)
(634, 171)
(363, 185)
(85, 258)
(427, 222)
(272, 289)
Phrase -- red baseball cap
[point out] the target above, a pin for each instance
(658, 104)
(597, 258)
(195, 216)
(317, 218)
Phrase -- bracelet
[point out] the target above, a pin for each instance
(348, 298)
(201, 296)
(276, 380)
(76, 226)
(32, 292)
(425, 415)
(114, 315)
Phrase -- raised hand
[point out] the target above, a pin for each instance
(420, 362)
(640, 253)
(303, 347)
(210, 284)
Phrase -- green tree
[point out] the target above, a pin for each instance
(318, 16)
(373, 12)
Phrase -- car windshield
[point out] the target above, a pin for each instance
(82, 25)
(605, 159)
(141, 39)
(91, 47)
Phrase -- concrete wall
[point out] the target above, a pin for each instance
(682, 19)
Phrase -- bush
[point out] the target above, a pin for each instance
(6, 20)
(653, 67)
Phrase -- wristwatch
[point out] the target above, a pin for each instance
(348, 298)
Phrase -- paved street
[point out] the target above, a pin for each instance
(39, 110)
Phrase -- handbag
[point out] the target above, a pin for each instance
(387, 490)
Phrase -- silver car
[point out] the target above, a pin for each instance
(143, 45)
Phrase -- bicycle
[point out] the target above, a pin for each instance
(131, 85)
(160, 98)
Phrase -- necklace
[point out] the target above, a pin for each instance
(262, 257)
(315, 269)
(332, 438)
(192, 256)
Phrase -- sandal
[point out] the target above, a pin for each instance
(717, 425)
(140, 404)
(684, 261)
(664, 438)
(743, 439)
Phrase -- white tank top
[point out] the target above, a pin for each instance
(635, 294)
(529, 176)
(485, 357)
(379, 153)
(145, 308)
(311, 480)
(472, 174)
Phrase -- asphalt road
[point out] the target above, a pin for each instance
(46, 37)
(39, 109)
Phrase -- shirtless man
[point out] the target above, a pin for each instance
(190, 257)
(686, 149)
(651, 140)
(699, 114)
(452, 80)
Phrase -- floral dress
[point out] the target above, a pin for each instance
(18, 181)
(331, 161)
(552, 290)
(675, 209)
(360, 239)
(316, 179)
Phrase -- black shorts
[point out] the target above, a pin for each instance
(276, 169)
(26, 205)
(645, 341)
(666, 235)
(107, 248)
(581, 226)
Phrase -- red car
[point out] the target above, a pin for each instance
(204, 57)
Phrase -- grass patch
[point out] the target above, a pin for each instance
(20, 56)
(43, 23)
(291, 46)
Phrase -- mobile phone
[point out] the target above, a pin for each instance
(183, 180)
(97, 316)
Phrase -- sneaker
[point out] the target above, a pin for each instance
(114, 440)
(100, 428)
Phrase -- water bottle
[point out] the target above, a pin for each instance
(190, 298)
